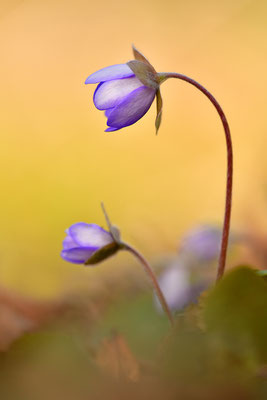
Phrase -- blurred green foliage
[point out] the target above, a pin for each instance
(236, 311)
(217, 349)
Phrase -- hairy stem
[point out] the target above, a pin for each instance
(229, 181)
(152, 277)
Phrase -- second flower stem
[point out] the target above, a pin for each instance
(153, 278)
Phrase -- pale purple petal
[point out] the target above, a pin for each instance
(111, 93)
(203, 243)
(117, 71)
(174, 283)
(90, 235)
(132, 108)
(108, 112)
(111, 129)
(68, 243)
(79, 255)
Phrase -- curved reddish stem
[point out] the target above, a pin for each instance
(229, 181)
(150, 273)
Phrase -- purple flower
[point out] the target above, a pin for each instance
(202, 243)
(174, 283)
(179, 291)
(87, 244)
(126, 91)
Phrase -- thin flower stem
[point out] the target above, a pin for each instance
(152, 277)
(229, 181)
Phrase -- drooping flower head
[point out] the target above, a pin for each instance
(126, 91)
(88, 244)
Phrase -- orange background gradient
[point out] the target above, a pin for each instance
(56, 161)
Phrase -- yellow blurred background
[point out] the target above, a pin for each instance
(56, 161)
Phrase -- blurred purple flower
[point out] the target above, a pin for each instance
(181, 282)
(202, 243)
(175, 283)
(126, 91)
(87, 244)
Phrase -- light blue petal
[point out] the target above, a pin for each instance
(117, 71)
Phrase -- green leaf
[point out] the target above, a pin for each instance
(262, 272)
(137, 319)
(236, 309)
(159, 111)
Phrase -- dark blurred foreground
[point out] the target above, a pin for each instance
(118, 346)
